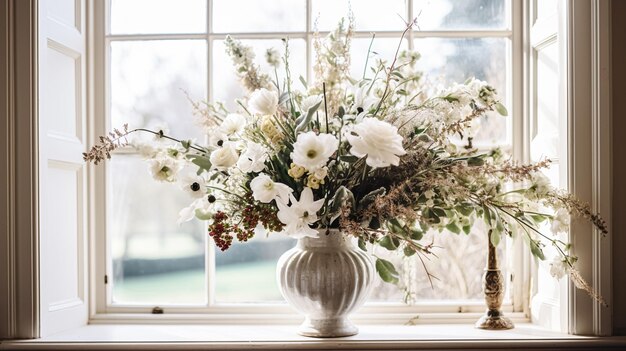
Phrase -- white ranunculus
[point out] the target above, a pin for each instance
(234, 123)
(193, 185)
(378, 140)
(299, 215)
(264, 189)
(309, 102)
(312, 151)
(263, 102)
(560, 221)
(253, 159)
(224, 157)
(558, 267)
(164, 169)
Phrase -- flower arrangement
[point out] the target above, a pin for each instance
(377, 157)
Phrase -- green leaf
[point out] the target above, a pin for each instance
(186, 144)
(475, 161)
(453, 228)
(487, 214)
(389, 243)
(408, 251)
(203, 162)
(494, 237)
(536, 250)
(361, 244)
(416, 234)
(370, 197)
(303, 81)
(464, 209)
(343, 196)
(387, 271)
(303, 121)
(501, 109)
(467, 229)
(348, 158)
(538, 218)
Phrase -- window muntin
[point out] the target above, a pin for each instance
(184, 49)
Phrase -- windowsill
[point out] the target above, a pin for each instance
(448, 336)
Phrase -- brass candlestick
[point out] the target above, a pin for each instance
(493, 281)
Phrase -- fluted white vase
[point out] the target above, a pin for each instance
(325, 279)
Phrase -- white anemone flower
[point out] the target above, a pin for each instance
(201, 208)
(263, 102)
(309, 102)
(378, 140)
(234, 123)
(193, 185)
(558, 267)
(253, 159)
(300, 215)
(165, 168)
(264, 189)
(560, 221)
(312, 151)
(224, 157)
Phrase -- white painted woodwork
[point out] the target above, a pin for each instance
(548, 139)
(62, 182)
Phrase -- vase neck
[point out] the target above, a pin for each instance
(326, 238)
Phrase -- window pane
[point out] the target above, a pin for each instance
(226, 85)
(368, 14)
(149, 80)
(461, 14)
(231, 16)
(158, 16)
(445, 61)
(382, 48)
(247, 271)
(155, 261)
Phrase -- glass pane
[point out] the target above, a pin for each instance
(226, 85)
(445, 61)
(368, 14)
(149, 80)
(382, 48)
(231, 16)
(461, 14)
(247, 271)
(158, 16)
(155, 261)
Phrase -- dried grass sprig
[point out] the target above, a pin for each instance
(108, 143)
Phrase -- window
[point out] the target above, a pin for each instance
(158, 53)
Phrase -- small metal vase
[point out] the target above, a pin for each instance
(325, 279)
(493, 287)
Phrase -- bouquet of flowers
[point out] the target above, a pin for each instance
(383, 158)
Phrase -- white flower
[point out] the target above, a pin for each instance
(264, 189)
(558, 267)
(362, 99)
(224, 157)
(312, 151)
(217, 138)
(378, 140)
(263, 102)
(309, 103)
(272, 57)
(253, 159)
(234, 123)
(199, 208)
(164, 169)
(540, 185)
(560, 221)
(193, 185)
(300, 215)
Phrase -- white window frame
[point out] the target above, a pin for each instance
(437, 311)
(589, 142)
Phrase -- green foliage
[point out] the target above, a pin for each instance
(387, 271)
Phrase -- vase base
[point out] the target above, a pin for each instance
(494, 320)
(327, 328)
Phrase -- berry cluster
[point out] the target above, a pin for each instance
(254, 213)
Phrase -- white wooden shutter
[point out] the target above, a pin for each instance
(548, 137)
(62, 182)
